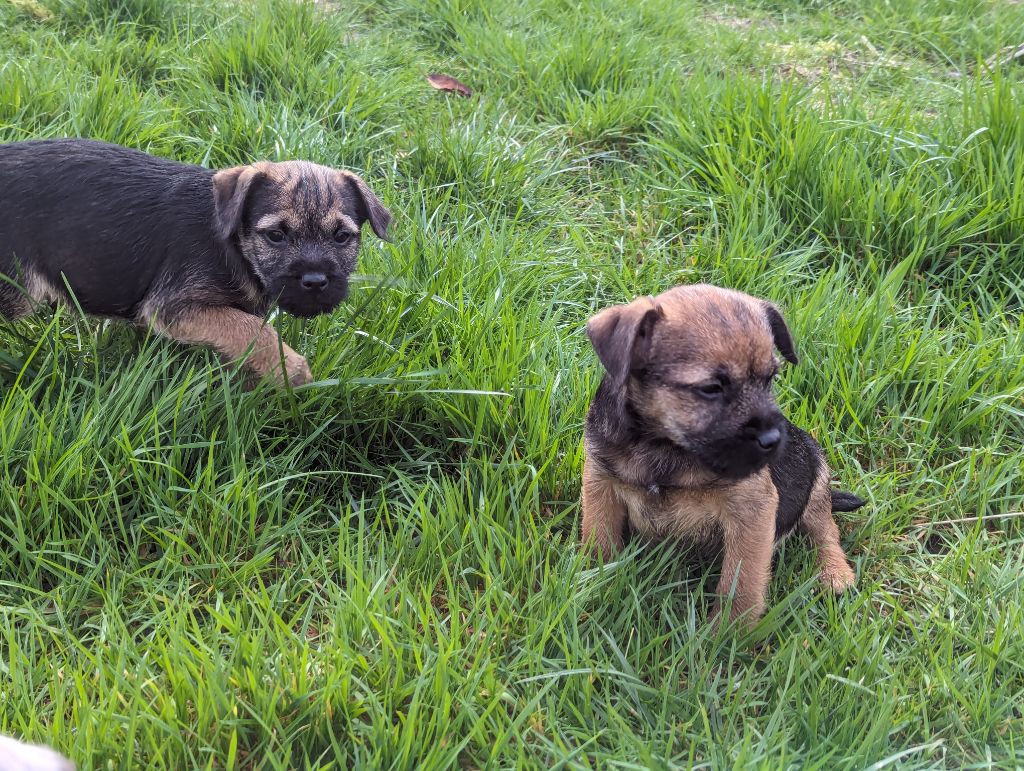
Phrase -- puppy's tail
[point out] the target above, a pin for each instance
(844, 501)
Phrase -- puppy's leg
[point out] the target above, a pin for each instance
(22, 290)
(13, 304)
(748, 529)
(232, 333)
(604, 514)
(818, 523)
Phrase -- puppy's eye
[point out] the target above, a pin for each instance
(342, 236)
(274, 236)
(710, 390)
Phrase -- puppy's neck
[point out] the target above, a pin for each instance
(632, 452)
(247, 281)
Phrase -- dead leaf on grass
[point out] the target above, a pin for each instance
(35, 9)
(443, 82)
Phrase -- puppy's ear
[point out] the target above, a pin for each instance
(231, 187)
(621, 336)
(780, 333)
(369, 207)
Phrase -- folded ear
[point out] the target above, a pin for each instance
(231, 188)
(370, 207)
(621, 336)
(780, 333)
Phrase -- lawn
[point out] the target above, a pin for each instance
(381, 569)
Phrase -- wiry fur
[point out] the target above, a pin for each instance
(684, 439)
(176, 246)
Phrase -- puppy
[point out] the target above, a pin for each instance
(684, 440)
(199, 255)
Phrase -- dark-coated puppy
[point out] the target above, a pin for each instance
(198, 254)
(684, 440)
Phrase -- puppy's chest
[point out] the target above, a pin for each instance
(690, 515)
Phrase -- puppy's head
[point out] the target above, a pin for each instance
(695, 365)
(298, 226)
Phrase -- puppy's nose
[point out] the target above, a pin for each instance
(314, 281)
(769, 439)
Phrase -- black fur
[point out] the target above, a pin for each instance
(794, 468)
(845, 501)
(780, 333)
(114, 223)
(131, 234)
(732, 454)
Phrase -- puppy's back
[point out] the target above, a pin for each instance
(96, 214)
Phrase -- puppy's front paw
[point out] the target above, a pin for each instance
(292, 369)
(837, 576)
(297, 368)
(600, 549)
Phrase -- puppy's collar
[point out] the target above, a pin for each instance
(656, 489)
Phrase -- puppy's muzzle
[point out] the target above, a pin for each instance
(318, 285)
(311, 290)
(745, 450)
(764, 432)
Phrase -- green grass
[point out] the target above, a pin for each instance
(380, 570)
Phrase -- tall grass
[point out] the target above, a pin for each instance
(379, 569)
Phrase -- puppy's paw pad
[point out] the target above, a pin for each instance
(838, 578)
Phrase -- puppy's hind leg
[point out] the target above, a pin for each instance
(14, 304)
(20, 291)
(233, 333)
(820, 526)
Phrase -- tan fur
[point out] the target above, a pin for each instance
(681, 339)
(823, 531)
(743, 513)
(748, 535)
(730, 328)
(24, 291)
(286, 177)
(604, 513)
(233, 334)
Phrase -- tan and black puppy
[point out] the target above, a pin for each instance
(198, 254)
(684, 440)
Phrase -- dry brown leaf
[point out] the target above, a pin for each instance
(443, 82)
(39, 11)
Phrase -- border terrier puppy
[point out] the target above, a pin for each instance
(684, 440)
(200, 255)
